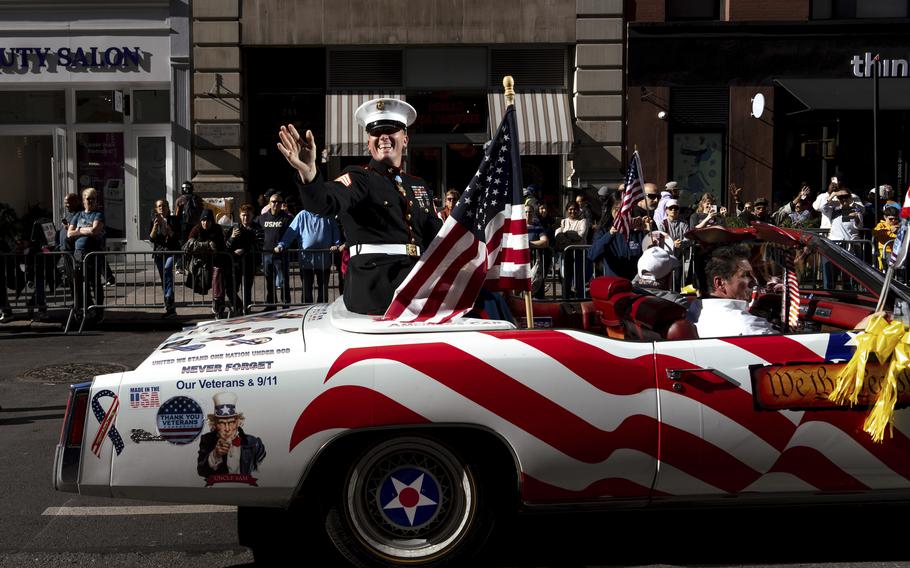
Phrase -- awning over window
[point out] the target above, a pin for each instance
(848, 94)
(544, 121)
(343, 136)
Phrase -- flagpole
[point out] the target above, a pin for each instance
(508, 85)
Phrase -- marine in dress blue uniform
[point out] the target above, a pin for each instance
(387, 214)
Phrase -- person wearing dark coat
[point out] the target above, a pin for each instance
(619, 255)
(207, 268)
(274, 223)
(388, 215)
(245, 246)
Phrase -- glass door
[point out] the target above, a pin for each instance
(150, 181)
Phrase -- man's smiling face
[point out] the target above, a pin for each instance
(387, 144)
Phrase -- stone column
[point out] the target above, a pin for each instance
(598, 90)
(218, 164)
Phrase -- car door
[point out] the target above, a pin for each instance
(582, 416)
(716, 441)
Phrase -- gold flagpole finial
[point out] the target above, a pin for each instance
(509, 85)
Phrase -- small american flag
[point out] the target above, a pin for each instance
(484, 242)
(632, 194)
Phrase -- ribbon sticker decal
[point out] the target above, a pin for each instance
(106, 420)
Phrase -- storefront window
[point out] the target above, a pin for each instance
(698, 162)
(693, 10)
(442, 112)
(849, 9)
(99, 164)
(151, 106)
(32, 107)
(99, 106)
(27, 180)
(881, 9)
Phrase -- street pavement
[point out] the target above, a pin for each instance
(30, 422)
(30, 536)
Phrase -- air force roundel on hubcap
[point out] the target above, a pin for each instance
(409, 497)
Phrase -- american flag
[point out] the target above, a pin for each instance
(632, 194)
(484, 242)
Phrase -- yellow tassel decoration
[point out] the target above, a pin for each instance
(882, 414)
(879, 338)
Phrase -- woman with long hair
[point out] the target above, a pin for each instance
(707, 214)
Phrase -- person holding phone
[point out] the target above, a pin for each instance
(845, 214)
(826, 197)
(164, 234)
(707, 214)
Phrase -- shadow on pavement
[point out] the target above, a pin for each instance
(34, 408)
(783, 535)
(29, 419)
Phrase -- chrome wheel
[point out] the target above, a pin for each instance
(410, 500)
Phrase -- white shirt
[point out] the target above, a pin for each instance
(720, 317)
(843, 230)
(820, 202)
(661, 212)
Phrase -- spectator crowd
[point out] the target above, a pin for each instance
(224, 258)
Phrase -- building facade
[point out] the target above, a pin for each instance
(91, 96)
(768, 95)
(259, 64)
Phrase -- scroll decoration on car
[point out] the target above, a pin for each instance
(887, 343)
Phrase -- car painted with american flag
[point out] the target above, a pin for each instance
(400, 444)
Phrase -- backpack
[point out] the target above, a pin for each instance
(192, 210)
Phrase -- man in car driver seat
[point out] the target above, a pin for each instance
(725, 312)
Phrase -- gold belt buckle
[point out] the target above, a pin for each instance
(411, 249)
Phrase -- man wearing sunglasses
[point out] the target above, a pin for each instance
(388, 215)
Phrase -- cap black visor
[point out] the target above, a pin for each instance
(384, 125)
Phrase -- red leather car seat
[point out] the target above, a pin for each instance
(611, 296)
(626, 313)
(654, 318)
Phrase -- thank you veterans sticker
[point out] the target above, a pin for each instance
(180, 420)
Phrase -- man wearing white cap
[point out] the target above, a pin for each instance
(655, 274)
(671, 191)
(677, 229)
(387, 215)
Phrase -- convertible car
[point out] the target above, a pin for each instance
(400, 444)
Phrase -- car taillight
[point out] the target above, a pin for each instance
(77, 423)
(74, 418)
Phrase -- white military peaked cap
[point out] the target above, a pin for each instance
(385, 112)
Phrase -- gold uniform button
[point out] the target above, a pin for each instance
(413, 240)
(386, 203)
(408, 216)
(410, 203)
(426, 210)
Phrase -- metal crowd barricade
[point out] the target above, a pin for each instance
(139, 283)
(577, 271)
(37, 283)
(289, 289)
(830, 277)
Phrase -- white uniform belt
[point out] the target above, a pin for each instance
(408, 250)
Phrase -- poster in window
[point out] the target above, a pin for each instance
(698, 160)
